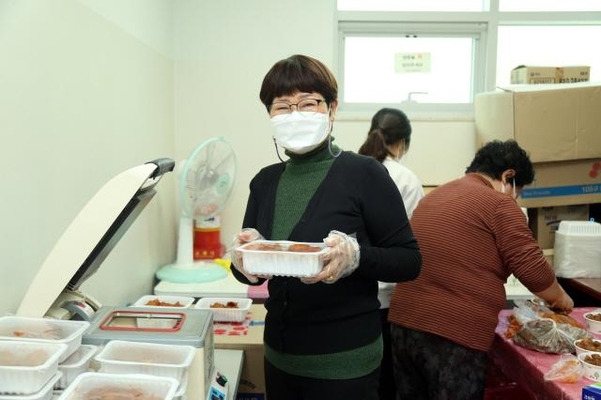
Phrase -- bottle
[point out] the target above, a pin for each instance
(207, 239)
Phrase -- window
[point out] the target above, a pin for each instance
(435, 55)
(409, 65)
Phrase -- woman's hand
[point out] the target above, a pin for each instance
(246, 235)
(340, 259)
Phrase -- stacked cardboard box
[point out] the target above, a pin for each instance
(560, 127)
(526, 74)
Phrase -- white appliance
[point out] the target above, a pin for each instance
(54, 291)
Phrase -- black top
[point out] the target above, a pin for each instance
(357, 197)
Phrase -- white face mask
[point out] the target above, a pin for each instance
(300, 132)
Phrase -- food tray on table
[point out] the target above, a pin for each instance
(169, 302)
(169, 360)
(91, 385)
(225, 309)
(282, 258)
(77, 363)
(44, 330)
(45, 393)
(26, 367)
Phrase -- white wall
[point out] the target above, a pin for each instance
(81, 100)
(223, 49)
(89, 88)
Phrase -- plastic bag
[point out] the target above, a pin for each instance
(568, 369)
(539, 331)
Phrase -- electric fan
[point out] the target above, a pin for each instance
(205, 184)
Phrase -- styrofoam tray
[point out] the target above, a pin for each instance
(26, 367)
(281, 262)
(142, 387)
(45, 393)
(580, 228)
(169, 360)
(77, 363)
(44, 330)
(223, 314)
(169, 301)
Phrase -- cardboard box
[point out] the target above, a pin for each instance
(544, 221)
(252, 377)
(551, 122)
(563, 183)
(592, 392)
(528, 74)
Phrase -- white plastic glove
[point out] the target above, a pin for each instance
(340, 259)
(246, 235)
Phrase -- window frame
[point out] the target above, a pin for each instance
(483, 26)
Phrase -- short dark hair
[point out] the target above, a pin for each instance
(388, 127)
(298, 73)
(497, 156)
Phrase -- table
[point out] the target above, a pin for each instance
(590, 287)
(527, 367)
(227, 287)
(252, 379)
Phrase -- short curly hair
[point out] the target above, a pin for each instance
(497, 156)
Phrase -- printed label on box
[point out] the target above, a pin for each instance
(571, 190)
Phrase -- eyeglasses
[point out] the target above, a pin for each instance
(308, 105)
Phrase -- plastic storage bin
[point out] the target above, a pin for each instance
(577, 249)
(25, 367)
(168, 302)
(225, 314)
(45, 393)
(77, 363)
(91, 385)
(44, 330)
(260, 259)
(123, 357)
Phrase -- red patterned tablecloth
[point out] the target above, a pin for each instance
(527, 367)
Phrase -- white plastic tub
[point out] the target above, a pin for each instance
(45, 393)
(591, 371)
(44, 330)
(122, 357)
(26, 367)
(95, 385)
(77, 363)
(225, 314)
(577, 249)
(261, 258)
(167, 302)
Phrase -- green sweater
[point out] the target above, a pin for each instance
(298, 183)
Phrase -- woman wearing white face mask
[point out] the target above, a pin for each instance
(323, 333)
(387, 141)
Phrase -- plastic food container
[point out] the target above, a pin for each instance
(168, 360)
(593, 325)
(277, 257)
(26, 367)
(77, 363)
(91, 385)
(220, 309)
(45, 393)
(44, 330)
(591, 371)
(581, 345)
(168, 302)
